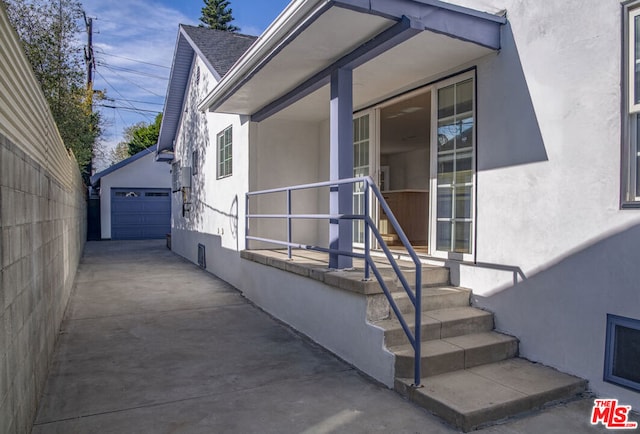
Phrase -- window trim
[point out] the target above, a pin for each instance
(219, 163)
(629, 193)
(608, 376)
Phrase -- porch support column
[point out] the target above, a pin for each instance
(341, 165)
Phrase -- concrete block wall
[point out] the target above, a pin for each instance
(42, 234)
(43, 226)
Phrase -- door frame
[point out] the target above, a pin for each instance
(433, 189)
(374, 161)
(374, 164)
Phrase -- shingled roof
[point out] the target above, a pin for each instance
(221, 49)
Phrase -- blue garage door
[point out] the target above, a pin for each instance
(140, 213)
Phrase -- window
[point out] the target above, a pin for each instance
(225, 156)
(175, 176)
(622, 352)
(631, 137)
(194, 162)
(127, 194)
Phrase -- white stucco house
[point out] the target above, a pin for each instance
(135, 198)
(501, 137)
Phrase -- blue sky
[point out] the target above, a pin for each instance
(134, 42)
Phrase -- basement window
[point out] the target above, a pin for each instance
(622, 352)
(202, 259)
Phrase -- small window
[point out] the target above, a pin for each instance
(202, 259)
(156, 194)
(127, 194)
(622, 352)
(194, 162)
(197, 75)
(175, 176)
(225, 154)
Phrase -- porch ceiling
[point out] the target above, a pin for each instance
(402, 68)
(388, 51)
(311, 51)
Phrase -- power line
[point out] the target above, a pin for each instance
(132, 82)
(132, 71)
(132, 107)
(133, 60)
(134, 101)
(111, 85)
(135, 109)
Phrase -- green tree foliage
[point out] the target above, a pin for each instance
(51, 35)
(145, 136)
(217, 15)
(137, 137)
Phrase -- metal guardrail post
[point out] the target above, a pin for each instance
(289, 223)
(246, 221)
(367, 241)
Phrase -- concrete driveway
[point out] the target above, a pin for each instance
(153, 344)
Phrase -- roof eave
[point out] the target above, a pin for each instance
(292, 16)
(480, 28)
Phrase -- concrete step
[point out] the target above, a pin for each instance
(474, 397)
(434, 298)
(438, 324)
(431, 276)
(450, 354)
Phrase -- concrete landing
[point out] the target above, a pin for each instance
(468, 398)
(153, 344)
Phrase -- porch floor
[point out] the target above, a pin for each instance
(313, 264)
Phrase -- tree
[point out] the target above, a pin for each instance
(217, 15)
(144, 135)
(119, 153)
(51, 37)
(137, 137)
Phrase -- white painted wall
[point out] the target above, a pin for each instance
(286, 153)
(217, 206)
(333, 317)
(145, 172)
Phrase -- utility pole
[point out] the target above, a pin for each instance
(88, 56)
(91, 64)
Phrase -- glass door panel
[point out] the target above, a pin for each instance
(454, 180)
(361, 167)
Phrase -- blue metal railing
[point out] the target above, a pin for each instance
(369, 227)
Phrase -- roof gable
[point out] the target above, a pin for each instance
(218, 49)
(96, 178)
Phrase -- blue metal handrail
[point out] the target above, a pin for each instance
(370, 226)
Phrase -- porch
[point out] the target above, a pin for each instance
(471, 374)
